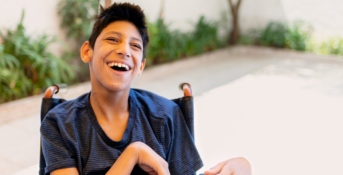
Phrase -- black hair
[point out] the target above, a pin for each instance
(120, 12)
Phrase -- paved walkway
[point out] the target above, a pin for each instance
(280, 109)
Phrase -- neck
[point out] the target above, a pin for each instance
(109, 105)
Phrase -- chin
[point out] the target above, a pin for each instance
(117, 87)
(109, 85)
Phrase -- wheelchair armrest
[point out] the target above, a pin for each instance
(186, 88)
(49, 93)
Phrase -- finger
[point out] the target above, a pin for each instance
(163, 172)
(215, 170)
(165, 167)
(227, 170)
(161, 168)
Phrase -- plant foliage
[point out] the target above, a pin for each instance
(298, 35)
(333, 45)
(273, 35)
(78, 18)
(27, 66)
(277, 34)
(167, 45)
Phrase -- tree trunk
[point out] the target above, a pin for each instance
(98, 9)
(108, 3)
(234, 33)
(161, 16)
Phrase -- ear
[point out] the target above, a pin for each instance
(142, 67)
(86, 52)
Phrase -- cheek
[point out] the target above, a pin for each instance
(102, 48)
(135, 71)
(103, 51)
(138, 64)
(99, 56)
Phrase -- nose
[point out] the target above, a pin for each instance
(123, 49)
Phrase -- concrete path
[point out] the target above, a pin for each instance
(279, 109)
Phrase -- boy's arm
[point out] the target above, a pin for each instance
(141, 154)
(125, 163)
(64, 171)
(136, 153)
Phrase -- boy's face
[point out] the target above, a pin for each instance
(117, 57)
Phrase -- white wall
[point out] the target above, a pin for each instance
(40, 18)
(257, 13)
(41, 15)
(181, 14)
(324, 16)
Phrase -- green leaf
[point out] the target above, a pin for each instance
(26, 64)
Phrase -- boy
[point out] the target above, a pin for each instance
(115, 129)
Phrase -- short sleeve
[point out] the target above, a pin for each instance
(55, 152)
(182, 155)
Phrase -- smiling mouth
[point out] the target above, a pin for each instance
(119, 66)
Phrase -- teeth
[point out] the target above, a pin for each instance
(119, 65)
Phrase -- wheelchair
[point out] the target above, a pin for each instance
(185, 103)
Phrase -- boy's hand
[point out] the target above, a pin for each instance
(150, 161)
(235, 166)
(141, 154)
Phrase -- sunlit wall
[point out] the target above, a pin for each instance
(41, 15)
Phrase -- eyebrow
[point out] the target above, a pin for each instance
(113, 32)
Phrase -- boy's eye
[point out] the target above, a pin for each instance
(135, 45)
(113, 39)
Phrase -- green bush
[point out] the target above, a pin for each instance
(333, 45)
(27, 66)
(297, 36)
(161, 39)
(277, 34)
(167, 45)
(273, 35)
(78, 18)
(250, 38)
(205, 37)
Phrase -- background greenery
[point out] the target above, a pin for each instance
(295, 36)
(168, 45)
(77, 18)
(27, 66)
(280, 35)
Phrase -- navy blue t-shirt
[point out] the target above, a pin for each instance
(72, 136)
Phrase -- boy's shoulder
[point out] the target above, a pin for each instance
(69, 107)
(152, 102)
(144, 96)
